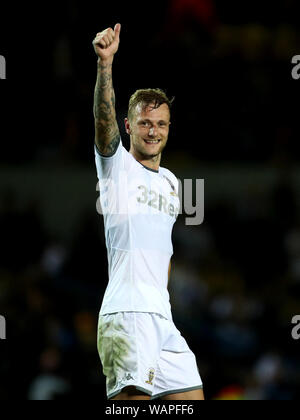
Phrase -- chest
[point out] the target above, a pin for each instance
(153, 194)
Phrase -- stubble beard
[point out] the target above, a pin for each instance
(142, 152)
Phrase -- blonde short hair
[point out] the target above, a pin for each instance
(145, 97)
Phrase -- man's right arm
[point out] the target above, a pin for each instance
(107, 134)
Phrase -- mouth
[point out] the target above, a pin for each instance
(151, 142)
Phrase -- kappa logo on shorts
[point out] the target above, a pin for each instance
(126, 377)
(150, 376)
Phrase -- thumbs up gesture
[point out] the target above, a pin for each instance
(106, 43)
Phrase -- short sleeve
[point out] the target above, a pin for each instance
(109, 166)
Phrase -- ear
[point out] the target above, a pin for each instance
(127, 126)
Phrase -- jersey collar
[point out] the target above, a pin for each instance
(149, 169)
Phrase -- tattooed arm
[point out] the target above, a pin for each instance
(107, 135)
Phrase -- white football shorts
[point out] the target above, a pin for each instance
(145, 350)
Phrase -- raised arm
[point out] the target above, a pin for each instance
(107, 134)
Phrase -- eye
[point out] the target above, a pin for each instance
(162, 124)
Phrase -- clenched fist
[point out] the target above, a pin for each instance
(106, 43)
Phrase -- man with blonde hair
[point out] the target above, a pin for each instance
(142, 353)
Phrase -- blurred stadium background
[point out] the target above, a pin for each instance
(235, 284)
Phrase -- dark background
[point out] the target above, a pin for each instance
(235, 283)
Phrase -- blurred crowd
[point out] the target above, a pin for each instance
(235, 282)
(235, 287)
(227, 64)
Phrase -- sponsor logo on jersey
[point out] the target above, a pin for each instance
(157, 201)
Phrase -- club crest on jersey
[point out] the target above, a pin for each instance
(150, 376)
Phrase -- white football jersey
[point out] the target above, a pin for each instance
(140, 207)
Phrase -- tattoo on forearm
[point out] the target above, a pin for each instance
(107, 131)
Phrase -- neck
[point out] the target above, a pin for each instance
(150, 162)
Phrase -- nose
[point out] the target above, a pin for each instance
(152, 131)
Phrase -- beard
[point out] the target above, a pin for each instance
(141, 148)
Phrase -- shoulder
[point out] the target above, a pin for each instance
(119, 152)
(168, 173)
(110, 166)
(170, 177)
(115, 146)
